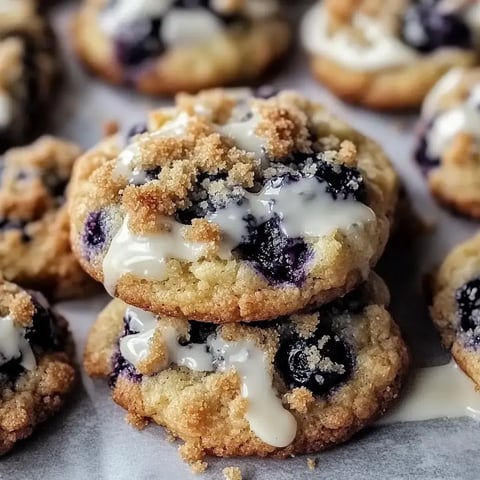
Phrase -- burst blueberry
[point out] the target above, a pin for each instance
(280, 259)
(319, 363)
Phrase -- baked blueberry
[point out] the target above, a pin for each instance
(280, 259)
(320, 363)
(427, 28)
(7, 224)
(423, 159)
(468, 305)
(94, 234)
(139, 41)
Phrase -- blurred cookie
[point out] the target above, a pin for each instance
(448, 147)
(36, 363)
(28, 70)
(169, 46)
(297, 385)
(232, 208)
(455, 309)
(387, 55)
(34, 228)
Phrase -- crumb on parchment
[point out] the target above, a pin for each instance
(232, 473)
(312, 463)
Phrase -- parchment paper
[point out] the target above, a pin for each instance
(89, 439)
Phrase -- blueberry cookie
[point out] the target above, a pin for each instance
(295, 385)
(34, 227)
(388, 54)
(28, 71)
(448, 147)
(455, 308)
(166, 46)
(231, 208)
(36, 363)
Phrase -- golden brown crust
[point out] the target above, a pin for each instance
(229, 290)
(236, 57)
(460, 266)
(395, 88)
(206, 409)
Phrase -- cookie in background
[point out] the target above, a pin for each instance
(388, 54)
(167, 46)
(455, 308)
(36, 363)
(35, 249)
(448, 143)
(28, 72)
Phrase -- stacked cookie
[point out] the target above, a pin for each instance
(238, 235)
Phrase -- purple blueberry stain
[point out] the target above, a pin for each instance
(467, 298)
(94, 233)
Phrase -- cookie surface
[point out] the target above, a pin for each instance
(233, 208)
(447, 148)
(387, 55)
(28, 71)
(455, 309)
(36, 363)
(34, 228)
(296, 385)
(169, 46)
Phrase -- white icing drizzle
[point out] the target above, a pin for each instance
(135, 347)
(436, 392)
(6, 109)
(463, 118)
(267, 417)
(383, 50)
(13, 344)
(244, 135)
(304, 207)
(146, 255)
(187, 27)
